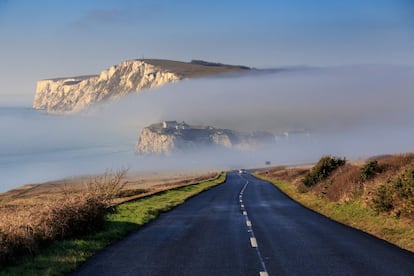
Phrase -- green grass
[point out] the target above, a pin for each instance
(62, 257)
(355, 214)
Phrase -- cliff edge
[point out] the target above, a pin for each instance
(170, 136)
(66, 95)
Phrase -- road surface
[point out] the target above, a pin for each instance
(248, 227)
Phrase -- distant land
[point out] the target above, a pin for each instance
(72, 94)
(170, 137)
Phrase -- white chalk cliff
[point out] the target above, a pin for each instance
(66, 95)
(170, 137)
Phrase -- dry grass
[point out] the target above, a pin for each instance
(355, 214)
(61, 257)
(345, 183)
(191, 70)
(291, 175)
(137, 188)
(24, 230)
(34, 215)
(136, 185)
(381, 204)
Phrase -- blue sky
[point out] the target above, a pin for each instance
(52, 38)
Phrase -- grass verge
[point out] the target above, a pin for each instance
(64, 256)
(355, 214)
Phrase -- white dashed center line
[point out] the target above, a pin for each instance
(253, 241)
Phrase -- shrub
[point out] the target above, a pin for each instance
(370, 170)
(345, 184)
(397, 195)
(23, 231)
(74, 215)
(322, 169)
(383, 201)
(106, 187)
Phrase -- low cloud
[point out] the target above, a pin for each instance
(321, 99)
(353, 111)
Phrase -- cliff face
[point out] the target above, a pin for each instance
(73, 94)
(66, 95)
(166, 138)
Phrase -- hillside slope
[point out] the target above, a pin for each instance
(66, 95)
(375, 195)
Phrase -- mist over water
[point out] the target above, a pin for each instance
(352, 111)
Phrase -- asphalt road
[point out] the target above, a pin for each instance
(248, 227)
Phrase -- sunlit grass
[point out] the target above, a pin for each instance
(355, 214)
(64, 256)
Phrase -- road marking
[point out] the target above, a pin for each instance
(253, 242)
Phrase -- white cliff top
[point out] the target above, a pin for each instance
(66, 95)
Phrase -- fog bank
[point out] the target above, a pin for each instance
(331, 98)
(352, 111)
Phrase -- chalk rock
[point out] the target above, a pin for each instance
(66, 95)
(170, 136)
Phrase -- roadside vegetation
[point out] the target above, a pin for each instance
(24, 230)
(376, 196)
(56, 237)
(322, 170)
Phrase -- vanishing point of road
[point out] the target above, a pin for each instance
(248, 227)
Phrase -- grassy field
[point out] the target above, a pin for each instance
(195, 69)
(353, 208)
(63, 256)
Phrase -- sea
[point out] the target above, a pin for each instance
(37, 147)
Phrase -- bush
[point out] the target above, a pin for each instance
(343, 184)
(322, 169)
(370, 170)
(383, 201)
(397, 195)
(72, 216)
(23, 231)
